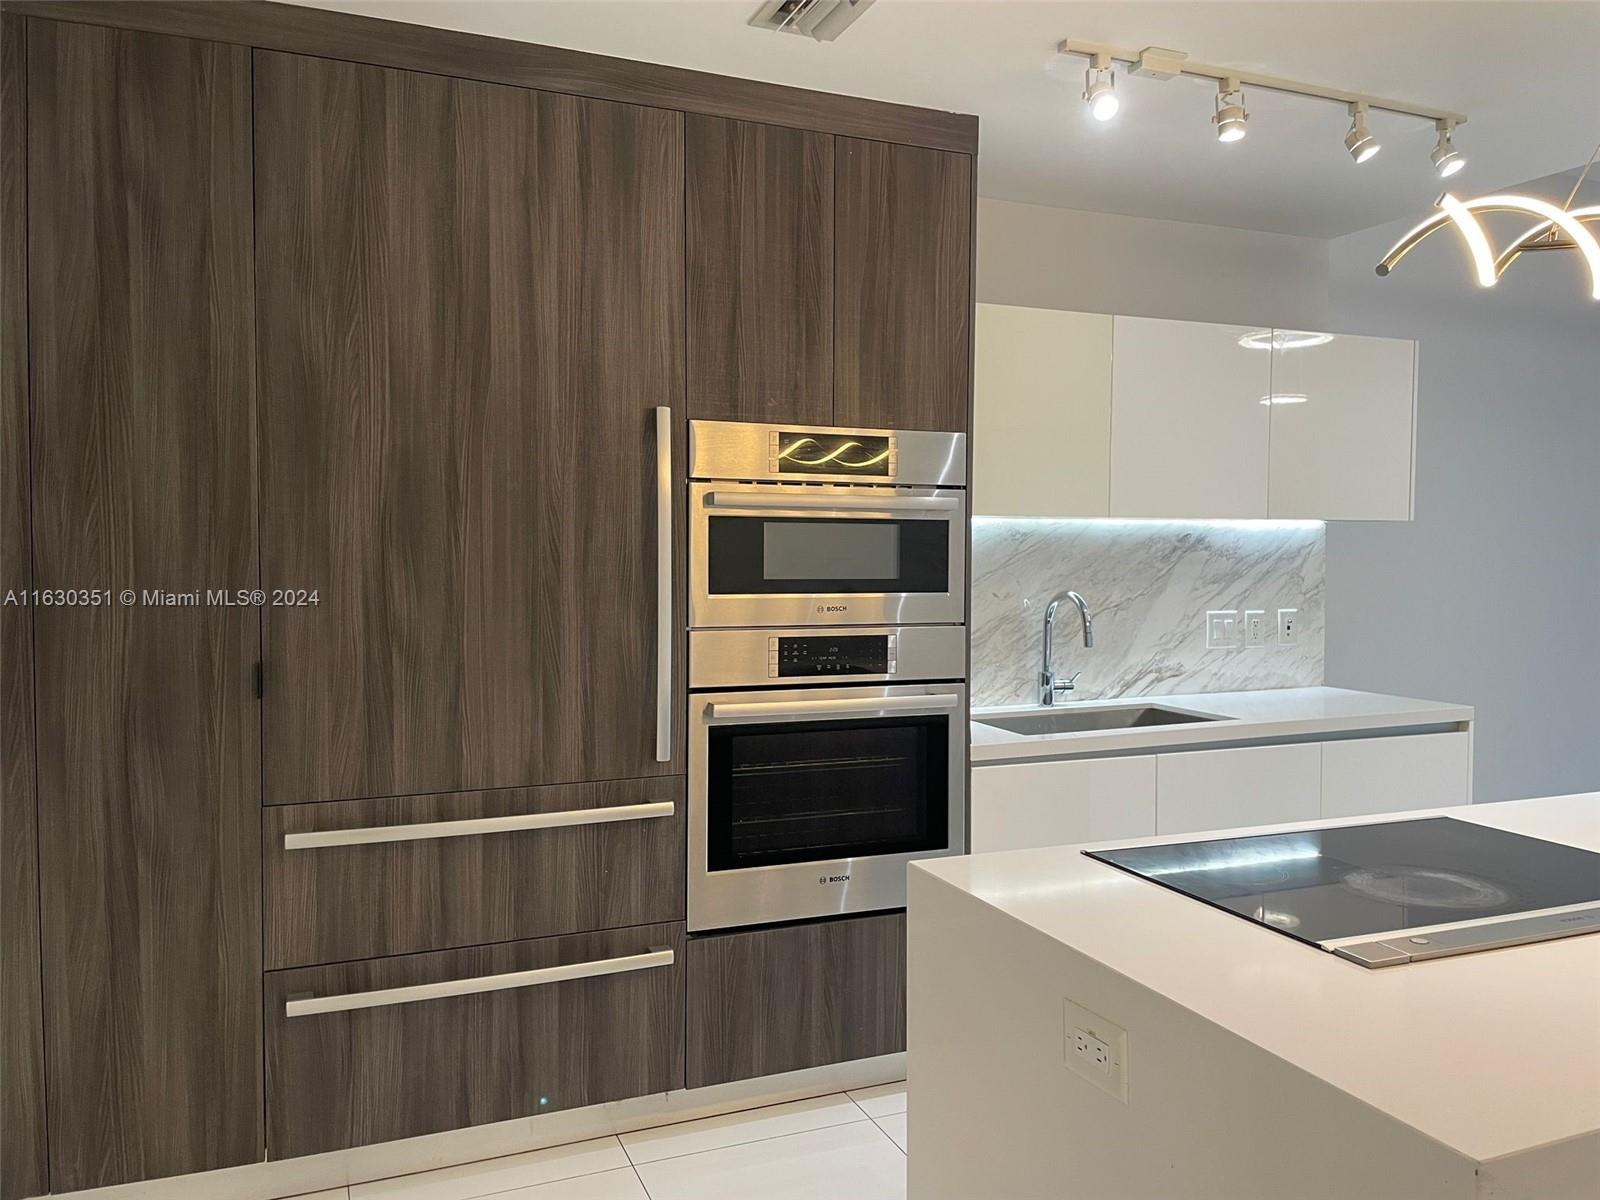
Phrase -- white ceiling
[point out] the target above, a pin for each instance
(1526, 72)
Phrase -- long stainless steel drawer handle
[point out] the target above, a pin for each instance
(476, 826)
(801, 709)
(663, 584)
(822, 501)
(310, 1006)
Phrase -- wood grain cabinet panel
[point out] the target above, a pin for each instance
(148, 734)
(326, 903)
(338, 1079)
(903, 310)
(759, 255)
(23, 1170)
(471, 301)
(766, 1001)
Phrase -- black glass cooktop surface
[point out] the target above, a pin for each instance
(1324, 884)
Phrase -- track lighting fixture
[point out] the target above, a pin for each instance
(1230, 119)
(1361, 144)
(1230, 116)
(1100, 88)
(1446, 159)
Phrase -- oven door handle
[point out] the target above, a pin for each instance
(757, 711)
(822, 503)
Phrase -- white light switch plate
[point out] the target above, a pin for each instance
(1222, 628)
(1097, 1049)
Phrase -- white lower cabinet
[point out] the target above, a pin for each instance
(1195, 791)
(1394, 774)
(1252, 785)
(1063, 803)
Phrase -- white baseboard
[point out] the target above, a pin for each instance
(296, 1176)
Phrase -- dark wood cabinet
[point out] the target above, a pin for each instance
(471, 300)
(607, 1027)
(759, 260)
(23, 1169)
(142, 343)
(463, 274)
(764, 1001)
(903, 307)
(470, 868)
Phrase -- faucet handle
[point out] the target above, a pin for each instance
(1069, 683)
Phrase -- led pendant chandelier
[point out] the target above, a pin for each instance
(1564, 228)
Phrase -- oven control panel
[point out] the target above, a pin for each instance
(855, 654)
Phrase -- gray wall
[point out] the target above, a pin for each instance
(1490, 596)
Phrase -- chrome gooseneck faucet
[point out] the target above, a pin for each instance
(1049, 685)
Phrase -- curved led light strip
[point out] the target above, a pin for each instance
(833, 456)
(1460, 214)
(1526, 241)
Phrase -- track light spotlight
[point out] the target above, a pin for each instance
(1446, 159)
(1361, 144)
(1100, 88)
(1230, 116)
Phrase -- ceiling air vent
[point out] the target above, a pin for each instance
(823, 20)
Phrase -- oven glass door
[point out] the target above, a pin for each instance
(769, 555)
(814, 791)
(810, 802)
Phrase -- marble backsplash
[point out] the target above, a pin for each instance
(1148, 585)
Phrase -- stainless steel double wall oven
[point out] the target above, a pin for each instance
(827, 664)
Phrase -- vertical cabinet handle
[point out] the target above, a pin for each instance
(663, 584)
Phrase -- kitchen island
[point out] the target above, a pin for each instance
(1227, 1061)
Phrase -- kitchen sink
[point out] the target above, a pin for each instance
(1080, 720)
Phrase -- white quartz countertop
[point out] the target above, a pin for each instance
(1246, 716)
(1491, 1054)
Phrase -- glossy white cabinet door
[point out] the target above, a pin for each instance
(1342, 428)
(1189, 430)
(1394, 774)
(1041, 423)
(1223, 789)
(1063, 803)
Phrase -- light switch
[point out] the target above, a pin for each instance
(1222, 628)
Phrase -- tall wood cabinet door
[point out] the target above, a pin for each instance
(471, 302)
(22, 1097)
(1189, 419)
(148, 731)
(903, 266)
(759, 256)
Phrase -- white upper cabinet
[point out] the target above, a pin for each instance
(1086, 415)
(1041, 413)
(1342, 427)
(1189, 429)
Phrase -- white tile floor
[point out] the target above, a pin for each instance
(850, 1144)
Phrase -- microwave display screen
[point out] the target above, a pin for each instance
(835, 454)
(826, 549)
(752, 556)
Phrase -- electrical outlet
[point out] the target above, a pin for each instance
(1222, 628)
(1255, 627)
(1097, 1050)
(1288, 626)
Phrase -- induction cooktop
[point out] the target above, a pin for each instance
(1375, 893)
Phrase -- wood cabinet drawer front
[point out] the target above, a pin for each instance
(765, 1001)
(369, 878)
(390, 1048)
